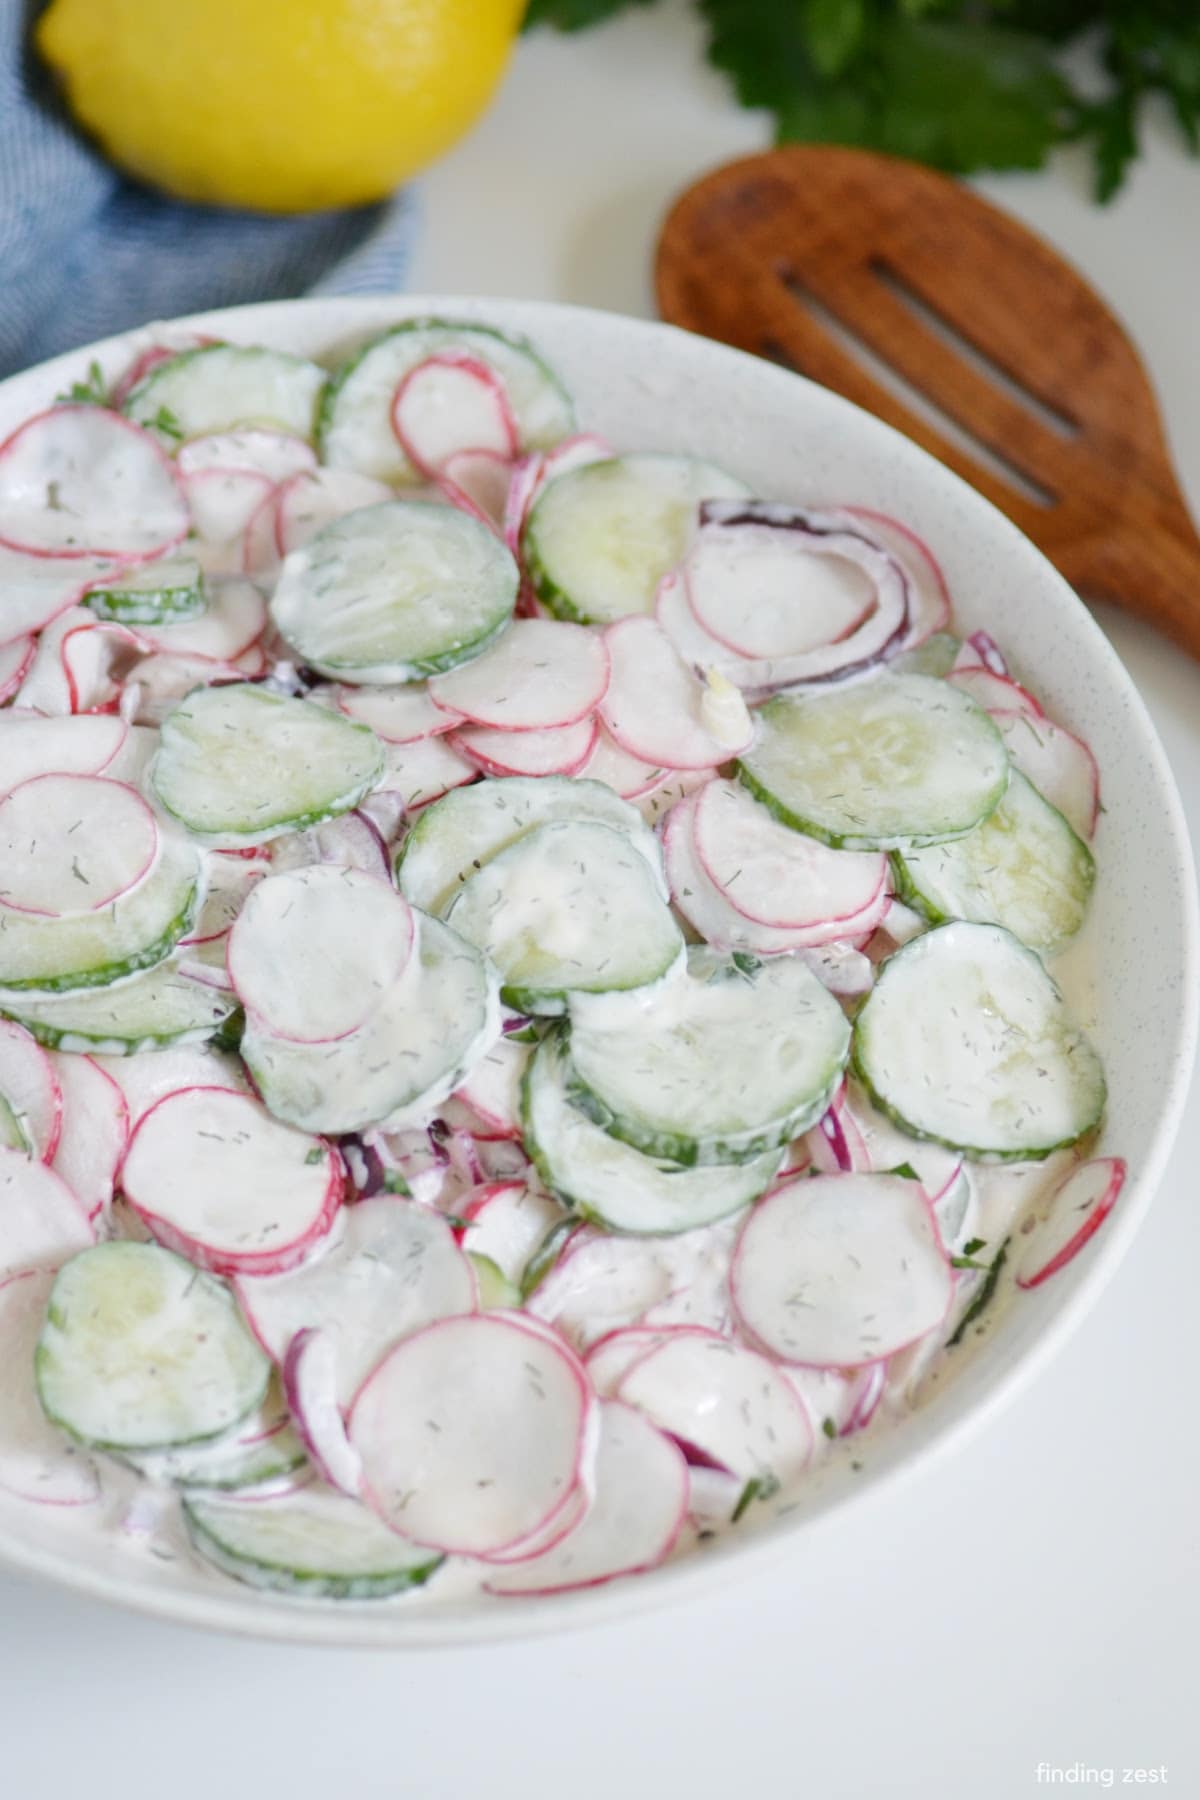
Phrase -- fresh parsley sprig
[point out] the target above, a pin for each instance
(961, 84)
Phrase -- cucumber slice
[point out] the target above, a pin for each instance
(239, 764)
(157, 593)
(887, 764)
(149, 1012)
(355, 426)
(315, 1543)
(86, 950)
(218, 387)
(600, 538)
(141, 1351)
(424, 1038)
(463, 830)
(570, 907)
(936, 655)
(965, 1039)
(395, 592)
(1023, 868)
(263, 1448)
(613, 1184)
(680, 1072)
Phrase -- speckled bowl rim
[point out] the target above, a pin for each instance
(925, 1439)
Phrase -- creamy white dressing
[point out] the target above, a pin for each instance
(602, 1284)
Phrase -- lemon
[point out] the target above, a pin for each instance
(278, 105)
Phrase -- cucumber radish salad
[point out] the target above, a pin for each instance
(539, 991)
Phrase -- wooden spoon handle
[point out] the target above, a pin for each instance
(1154, 572)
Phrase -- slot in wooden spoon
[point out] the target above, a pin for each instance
(921, 302)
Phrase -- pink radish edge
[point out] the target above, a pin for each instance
(585, 1437)
(1095, 1217)
(311, 1399)
(750, 1336)
(234, 1263)
(476, 370)
(25, 1044)
(128, 558)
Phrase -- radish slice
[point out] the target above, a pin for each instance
(260, 554)
(473, 1433)
(640, 1502)
(230, 879)
(1060, 766)
(523, 486)
(706, 908)
(552, 1534)
(928, 594)
(42, 1223)
(314, 950)
(351, 841)
(995, 693)
(254, 451)
(508, 1222)
(315, 498)
(37, 588)
(37, 1461)
(71, 667)
(234, 620)
(15, 659)
(538, 673)
(216, 1178)
(399, 715)
(145, 1080)
(781, 878)
(981, 650)
(697, 647)
(836, 1146)
(422, 772)
(452, 401)
(161, 680)
(626, 775)
(730, 1403)
(310, 1386)
(29, 1083)
(90, 655)
(81, 481)
(767, 592)
(32, 745)
(391, 1268)
(493, 1088)
(479, 480)
(712, 593)
(603, 1283)
(223, 501)
(95, 1131)
(840, 1270)
(610, 1359)
(558, 750)
(655, 708)
(1075, 1211)
(72, 844)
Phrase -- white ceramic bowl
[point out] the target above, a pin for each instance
(650, 386)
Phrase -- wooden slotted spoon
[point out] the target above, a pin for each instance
(926, 305)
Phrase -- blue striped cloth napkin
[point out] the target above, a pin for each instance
(85, 252)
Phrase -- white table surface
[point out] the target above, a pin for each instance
(1035, 1598)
